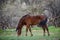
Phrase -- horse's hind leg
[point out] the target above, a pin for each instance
(43, 30)
(47, 30)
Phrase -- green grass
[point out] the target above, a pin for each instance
(10, 34)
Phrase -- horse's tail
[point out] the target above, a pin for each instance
(46, 19)
(43, 22)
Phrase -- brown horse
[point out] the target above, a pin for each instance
(32, 20)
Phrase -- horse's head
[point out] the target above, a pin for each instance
(19, 28)
(20, 24)
(18, 31)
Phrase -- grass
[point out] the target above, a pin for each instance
(10, 34)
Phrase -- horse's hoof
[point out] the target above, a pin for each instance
(44, 35)
(48, 34)
(31, 34)
(26, 34)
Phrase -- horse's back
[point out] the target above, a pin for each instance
(33, 20)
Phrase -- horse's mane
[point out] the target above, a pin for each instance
(24, 17)
(21, 20)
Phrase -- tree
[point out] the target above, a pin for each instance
(55, 9)
(5, 20)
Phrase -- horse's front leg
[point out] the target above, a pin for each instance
(26, 31)
(30, 31)
(28, 27)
